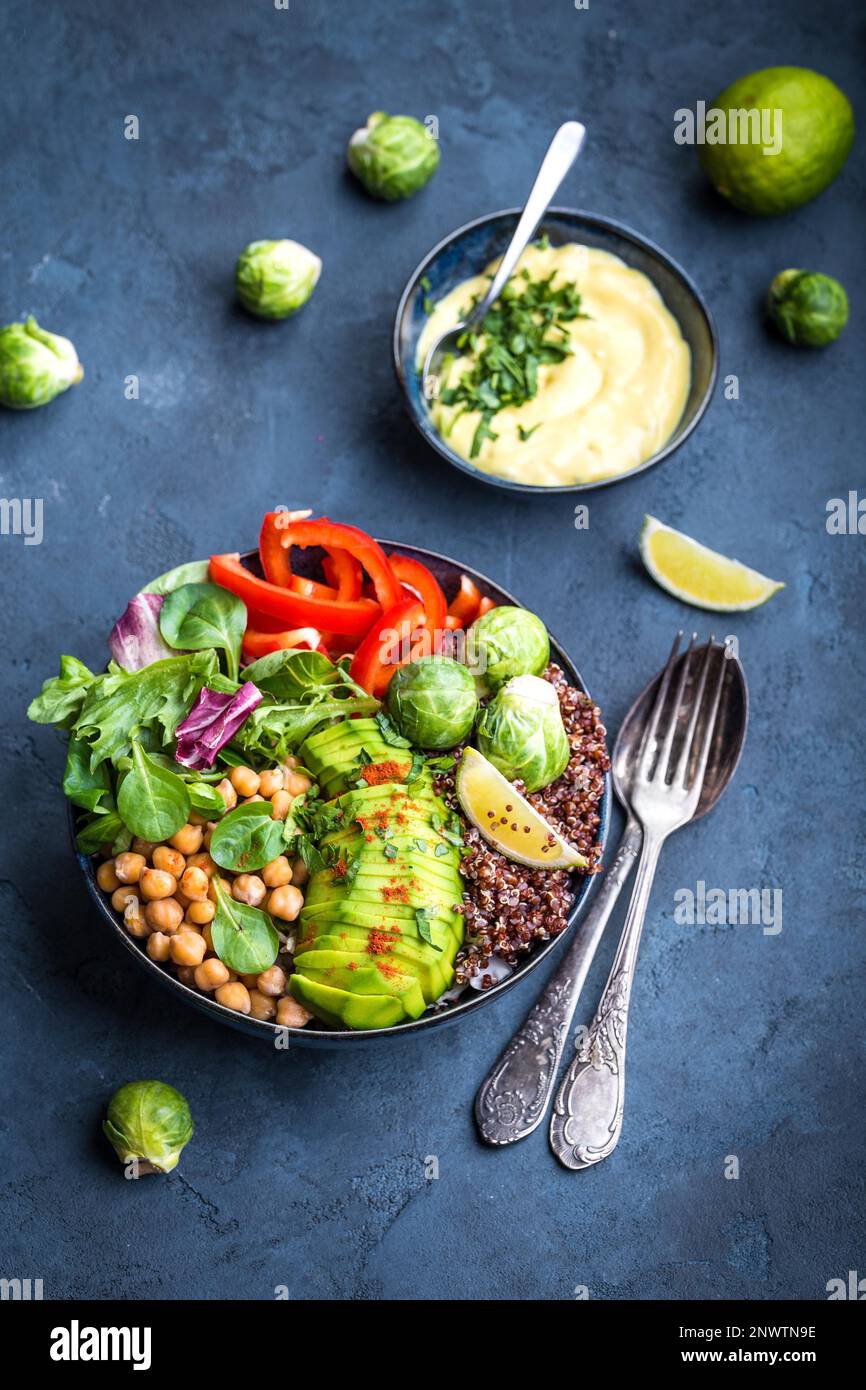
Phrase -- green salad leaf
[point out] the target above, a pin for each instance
(118, 706)
(193, 572)
(195, 617)
(244, 937)
(153, 802)
(247, 838)
(292, 675)
(90, 790)
(274, 731)
(62, 696)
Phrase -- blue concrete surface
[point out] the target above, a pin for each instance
(307, 1171)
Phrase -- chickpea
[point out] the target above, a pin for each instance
(228, 793)
(156, 883)
(261, 1006)
(208, 834)
(158, 946)
(106, 877)
(194, 884)
(165, 915)
(121, 896)
(278, 872)
(128, 867)
(291, 1014)
(182, 898)
(281, 804)
(200, 914)
(203, 862)
(248, 980)
(290, 763)
(297, 782)
(188, 839)
(211, 974)
(248, 888)
(234, 996)
(208, 938)
(272, 982)
(186, 974)
(145, 847)
(249, 799)
(169, 859)
(286, 903)
(270, 781)
(133, 920)
(196, 818)
(244, 780)
(188, 947)
(300, 872)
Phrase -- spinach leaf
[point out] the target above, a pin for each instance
(153, 802)
(62, 696)
(118, 706)
(90, 790)
(193, 572)
(247, 838)
(197, 616)
(293, 674)
(206, 800)
(100, 830)
(244, 937)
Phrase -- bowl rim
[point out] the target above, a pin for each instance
(342, 1037)
(434, 439)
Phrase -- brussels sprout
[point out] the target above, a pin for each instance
(521, 732)
(276, 278)
(148, 1121)
(35, 366)
(432, 701)
(393, 156)
(507, 642)
(809, 309)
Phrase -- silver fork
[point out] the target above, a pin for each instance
(587, 1119)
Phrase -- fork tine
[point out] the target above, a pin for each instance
(649, 733)
(711, 723)
(697, 705)
(665, 752)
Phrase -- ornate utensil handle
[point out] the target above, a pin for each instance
(587, 1116)
(514, 1097)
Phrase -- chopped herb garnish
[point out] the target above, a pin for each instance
(527, 434)
(423, 917)
(424, 282)
(420, 845)
(441, 850)
(418, 765)
(390, 851)
(389, 733)
(441, 764)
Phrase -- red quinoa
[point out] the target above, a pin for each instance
(508, 907)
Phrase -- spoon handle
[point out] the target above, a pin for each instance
(587, 1117)
(514, 1098)
(561, 154)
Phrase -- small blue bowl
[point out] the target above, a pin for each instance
(468, 250)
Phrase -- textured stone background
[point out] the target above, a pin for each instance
(306, 1170)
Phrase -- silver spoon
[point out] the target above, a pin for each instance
(561, 154)
(686, 758)
(514, 1098)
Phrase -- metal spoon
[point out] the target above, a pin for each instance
(561, 154)
(685, 760)
(513, 1099)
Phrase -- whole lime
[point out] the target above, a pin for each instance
(809, 309)
(788, 150)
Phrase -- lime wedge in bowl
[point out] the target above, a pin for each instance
(506, 819)
(699, 576)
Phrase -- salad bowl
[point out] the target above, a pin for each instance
(465, 251)
(447, 572)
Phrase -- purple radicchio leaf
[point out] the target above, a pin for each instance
(213, 722)
(135, 640)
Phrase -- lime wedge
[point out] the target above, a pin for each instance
(699, 576)
(506, 819)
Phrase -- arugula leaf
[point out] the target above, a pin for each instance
(62, 696)
(247, 838)
(118, 706)
(423, 918)
(244, 937)
(153, 802)
(198, 616)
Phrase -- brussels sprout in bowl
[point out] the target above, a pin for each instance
(448, 574)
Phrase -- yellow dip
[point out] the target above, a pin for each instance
(602, 411)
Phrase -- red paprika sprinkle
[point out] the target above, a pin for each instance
(395, 893)
(379, 943)
(374, 774)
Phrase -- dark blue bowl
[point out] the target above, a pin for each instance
(448, 573)
(468, 250)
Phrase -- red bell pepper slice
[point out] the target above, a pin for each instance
(258, 644)
(343, 573)
(417, 576)
(299, 584)
(280, 531)
(484, 607)
(464, 605)
(354, 619)
(378, 656)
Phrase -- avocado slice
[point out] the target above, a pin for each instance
(364, 974)
(338, 1006)
(433, 977)
(445, 938)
